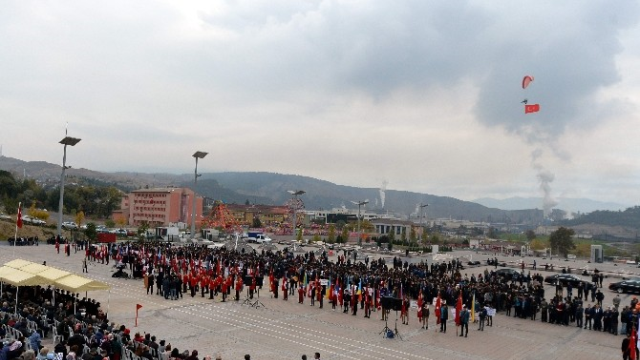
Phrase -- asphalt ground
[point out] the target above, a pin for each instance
(285, 329)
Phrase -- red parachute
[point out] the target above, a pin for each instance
(526, 81)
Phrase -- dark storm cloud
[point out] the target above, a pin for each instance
(379, 47)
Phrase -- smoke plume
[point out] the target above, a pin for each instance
(383, 188)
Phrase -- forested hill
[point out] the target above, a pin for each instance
(629, 217)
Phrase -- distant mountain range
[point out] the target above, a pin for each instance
(271, 188)
(570, 205)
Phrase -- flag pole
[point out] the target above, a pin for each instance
(18, 222)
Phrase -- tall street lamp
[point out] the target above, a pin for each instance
(71, 141)
(197, 155)
(360, 204)
(422, 206)
(295, 194)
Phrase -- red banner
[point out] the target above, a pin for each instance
(533, 108)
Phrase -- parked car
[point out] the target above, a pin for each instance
(38, 222)
(508, 274)
(564, 279)
(119, 232)
(474, 263)
(101, 229)
(69, 225)
(626, 286)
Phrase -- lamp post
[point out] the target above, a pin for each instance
(197, 155)
(422, 206)
(71, 141)
(295, 194)
(360, 204)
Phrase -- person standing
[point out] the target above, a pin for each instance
(444, 316)
(483, 316)
(464, 321)
(588, 316)
(425, 315)
(300, 294)
(579, 315)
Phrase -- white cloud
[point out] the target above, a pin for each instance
(424, 94)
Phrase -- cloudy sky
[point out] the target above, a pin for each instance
(423, 94)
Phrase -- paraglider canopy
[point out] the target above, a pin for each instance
(526, 81)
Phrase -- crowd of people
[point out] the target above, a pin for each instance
(224, 274)
(371, 286)
(80, 330)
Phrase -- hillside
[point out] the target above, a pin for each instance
(7, 230)
(570, 205)
(271, 188)
(627, 218)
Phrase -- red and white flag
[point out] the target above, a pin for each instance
(19, 218)
(533, 108)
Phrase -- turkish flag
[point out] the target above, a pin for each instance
(19, 219)
(138, 306)
(438, 306)
(533, 108)
(458, 308)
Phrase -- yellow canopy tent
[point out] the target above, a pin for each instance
(47, 275)
(18, 263)
(19, 278)
(78, 283)
(34, 268)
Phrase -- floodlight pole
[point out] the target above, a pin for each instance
(422, 206)
(360, 204)
(197, 155)
(295, 194)
(72, 142)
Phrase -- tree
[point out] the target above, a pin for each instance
(530, 234)
(332, 234)
(256, 222)
(90, 232)
(562, 240)
(424, 237)
(142, 230)
(413, 235)
(121, 221)
(345, 234)
(583, 250)
(435, 239)
(110, 223)
(79, 218)
(538, 244)
(403, 235)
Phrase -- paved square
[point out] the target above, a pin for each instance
(286, 329)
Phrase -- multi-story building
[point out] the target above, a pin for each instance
(159, 206)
